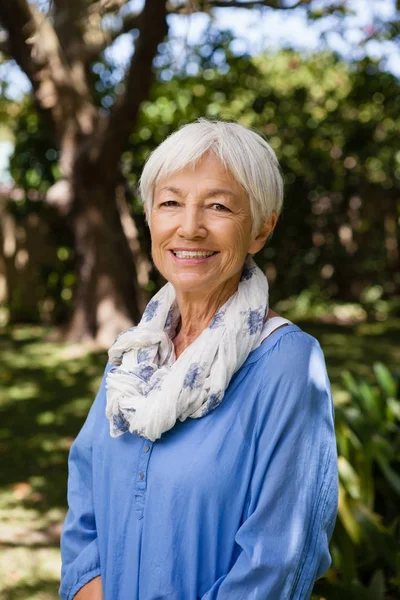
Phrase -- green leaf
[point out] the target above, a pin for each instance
(377, 587)
(370, 400)
(349, 478)
(350, 383)
(347, 516)
(382, 447)
(367, 481)
(393, 409)
(385, 380)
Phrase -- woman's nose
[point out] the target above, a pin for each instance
(192, 223)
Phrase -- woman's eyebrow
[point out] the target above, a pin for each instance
(218, 192)
(174, 190)
(210, 193)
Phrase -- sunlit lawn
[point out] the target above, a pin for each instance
(45, 393)
(44, 398)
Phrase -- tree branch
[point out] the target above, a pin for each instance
(117, 128)
(4, 44)
(207, 5)
(102, 7)
(69, 17)
(17, 19)
(35, 46)
(59, 90)
(97, 39)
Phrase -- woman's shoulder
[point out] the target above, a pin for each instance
(288, 345)
(289, 356)
(290, 377)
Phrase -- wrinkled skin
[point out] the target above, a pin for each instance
(203, 207)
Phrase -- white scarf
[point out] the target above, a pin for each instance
(148, 390)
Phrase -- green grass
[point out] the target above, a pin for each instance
(44, 397)
(357, 347)
(45, 393)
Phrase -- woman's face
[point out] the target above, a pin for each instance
(201, 227)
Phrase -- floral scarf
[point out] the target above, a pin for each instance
(148, 389)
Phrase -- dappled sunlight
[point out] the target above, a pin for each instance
(29, 573)
(44, 399)
(316, 371)
(24, 391)
(89, 89)
(29, 540)
(356, 348)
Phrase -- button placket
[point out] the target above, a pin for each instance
(141, 477)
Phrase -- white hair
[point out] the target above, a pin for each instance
(242, 151)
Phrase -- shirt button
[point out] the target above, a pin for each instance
(141, 475)
(146, 448)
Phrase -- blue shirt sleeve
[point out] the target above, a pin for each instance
(292, 501)
(79, 545)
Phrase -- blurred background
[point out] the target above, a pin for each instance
(88, 89)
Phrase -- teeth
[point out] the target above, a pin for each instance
(188, 254)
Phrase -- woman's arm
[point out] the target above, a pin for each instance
(91, 591)
(79, 544)
(285, 534)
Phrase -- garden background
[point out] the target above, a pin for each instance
(88, 89)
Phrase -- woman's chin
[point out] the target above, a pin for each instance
(192, 283)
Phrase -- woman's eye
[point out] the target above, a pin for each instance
(219, 207)
(169, 203)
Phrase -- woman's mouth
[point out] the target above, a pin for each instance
(193, 256)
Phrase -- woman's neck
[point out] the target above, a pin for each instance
(184, 338)
(197, 313)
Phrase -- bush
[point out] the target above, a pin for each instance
(365, 550)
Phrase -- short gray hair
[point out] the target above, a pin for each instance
(242, 151)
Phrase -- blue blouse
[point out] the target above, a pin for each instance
(237, 505)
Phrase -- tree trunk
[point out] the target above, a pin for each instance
(108, 298)
(55, 55)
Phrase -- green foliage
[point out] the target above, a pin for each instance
(34, 168)
(364, 546)
(45, 394)
(33, 165)
(334, 128)
(46, 390)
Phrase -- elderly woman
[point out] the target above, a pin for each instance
(206, 468)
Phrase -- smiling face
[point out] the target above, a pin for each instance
(201, 228)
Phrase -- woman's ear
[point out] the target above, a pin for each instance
(264, 232)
